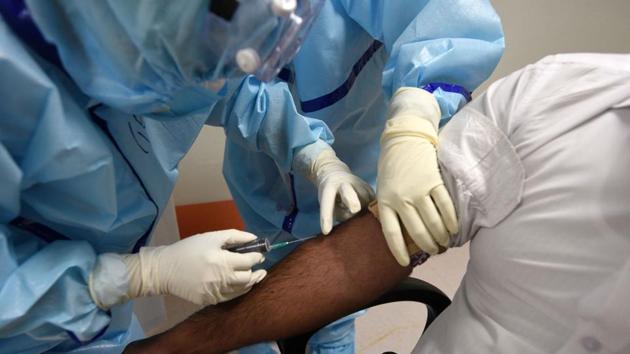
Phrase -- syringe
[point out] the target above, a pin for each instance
(263, 245)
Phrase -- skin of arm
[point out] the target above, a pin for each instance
(322, 280)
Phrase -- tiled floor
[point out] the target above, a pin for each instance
(397, 327)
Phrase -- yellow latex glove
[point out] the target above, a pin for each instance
(409, 185)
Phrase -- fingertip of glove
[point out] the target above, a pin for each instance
(233, 236)
(454, 230)
(262, 274)
(257, 257)
(326, 228)
(432, 251)
(249, 236)
(403, 261)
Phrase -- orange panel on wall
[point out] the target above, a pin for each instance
(193, 219)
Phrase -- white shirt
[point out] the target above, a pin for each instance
(538, 168)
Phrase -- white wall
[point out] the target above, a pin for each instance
(533, 29)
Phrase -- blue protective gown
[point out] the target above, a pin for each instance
(336, 92)
(89, 147)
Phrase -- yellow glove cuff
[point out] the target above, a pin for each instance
(413, 112)
(408, 125)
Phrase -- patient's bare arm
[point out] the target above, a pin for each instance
(323, 280)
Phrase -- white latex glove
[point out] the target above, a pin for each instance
(341, 194)
(410, 187)
(197, 269)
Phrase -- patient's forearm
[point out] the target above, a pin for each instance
(323, 280)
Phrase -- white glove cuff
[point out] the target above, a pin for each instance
(145, 272)
(416, 102)
(109, 281)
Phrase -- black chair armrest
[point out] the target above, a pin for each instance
(410, 289)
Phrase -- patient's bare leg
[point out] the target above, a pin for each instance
(323, 280)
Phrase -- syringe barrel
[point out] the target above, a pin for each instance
(261, 245)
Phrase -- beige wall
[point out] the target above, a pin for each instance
(533, 28)
(201, 178)
(536, 28)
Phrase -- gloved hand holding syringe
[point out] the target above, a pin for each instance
(263, 245)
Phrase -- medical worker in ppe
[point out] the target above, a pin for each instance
(100, 102)
(302, 151)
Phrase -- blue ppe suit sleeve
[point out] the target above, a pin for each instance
(43, 289)
(262, 117)
(145, 57)
(44, 294)
(454, 42)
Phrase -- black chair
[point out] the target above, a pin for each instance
(410, 289)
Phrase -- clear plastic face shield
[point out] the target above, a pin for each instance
(258, 37)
